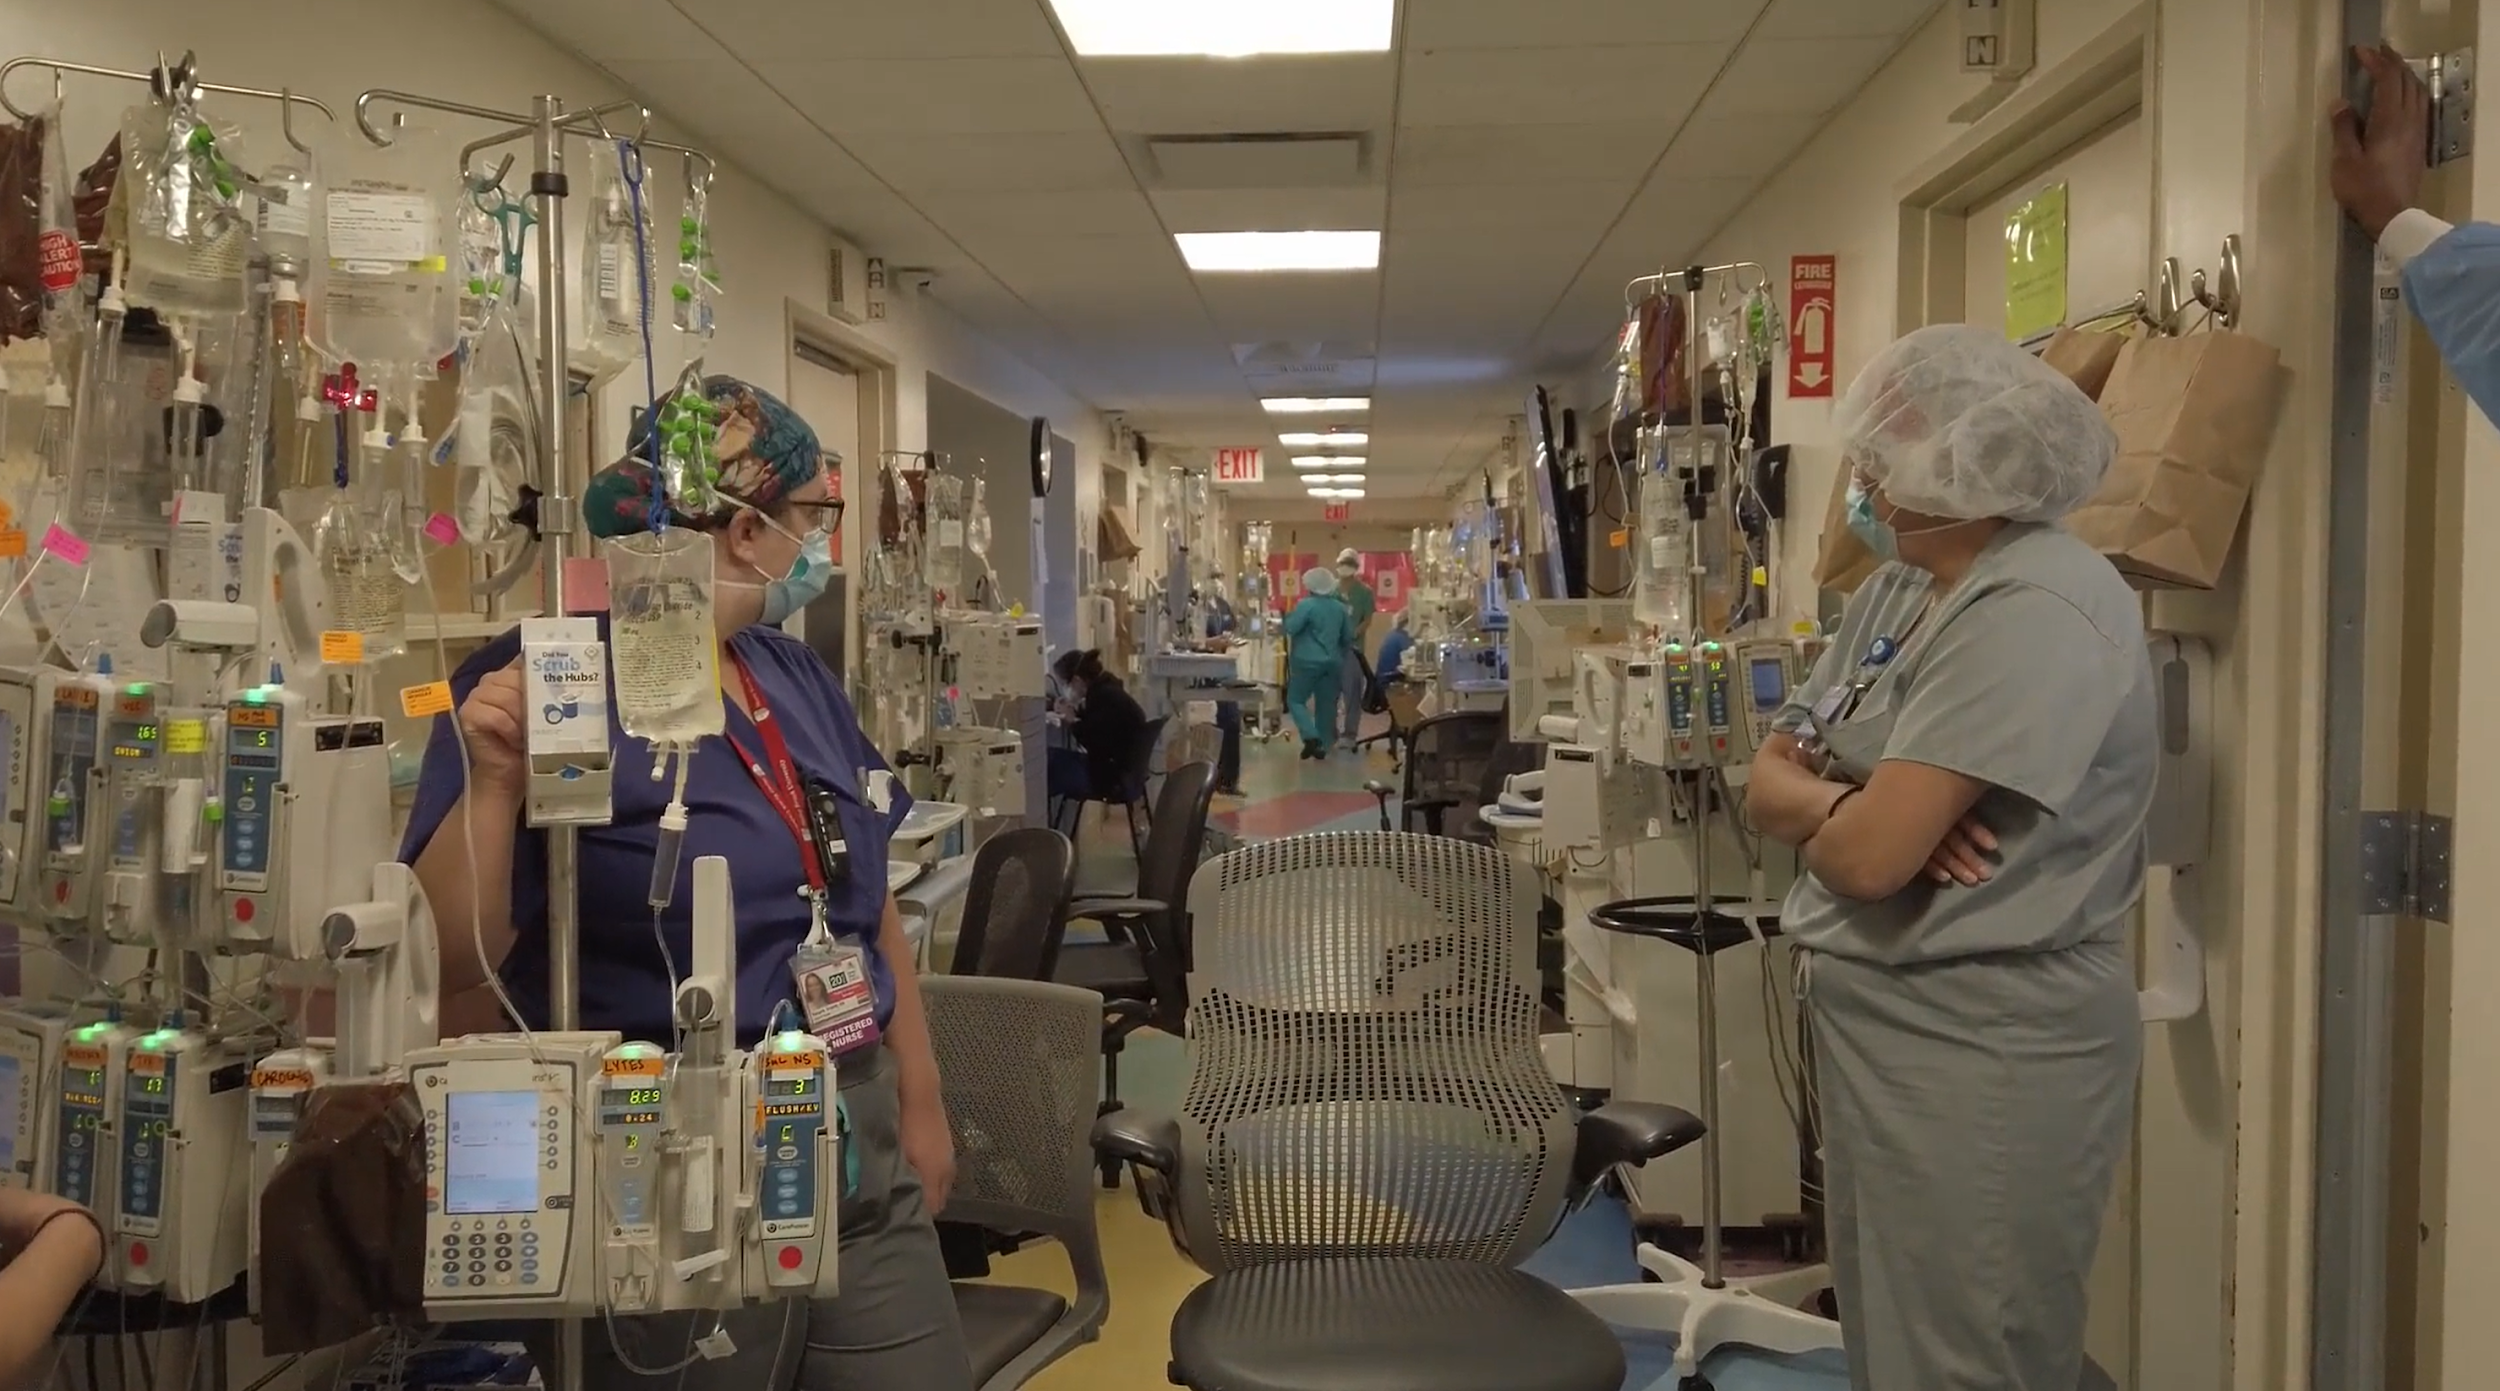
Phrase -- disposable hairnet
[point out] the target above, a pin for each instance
(1954, 421)
(1320, 580)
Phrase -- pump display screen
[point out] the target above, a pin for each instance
(134, 738)
(1770, 684)
(12, 1108)
(629, 1106)
(491, 1155)
(253, 746)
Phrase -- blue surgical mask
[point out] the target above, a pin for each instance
(2454, 288)
(809, 575)
(1871, 530)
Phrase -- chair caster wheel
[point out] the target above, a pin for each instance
(1111, 1178)
(1695, 1382)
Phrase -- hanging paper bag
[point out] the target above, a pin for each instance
(1841, 562)
(2194, 418)
(2085, 356)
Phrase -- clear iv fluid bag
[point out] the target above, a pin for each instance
(1663, 556)
(382, 291)
(367, 596)
(663, 637)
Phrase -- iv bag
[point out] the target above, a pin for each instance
(188, 240)
(382, 291)
(619, 266)
(1663, 559)
(950, 505)
(662, 635)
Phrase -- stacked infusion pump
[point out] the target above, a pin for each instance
(566, 1172)
(993, 657)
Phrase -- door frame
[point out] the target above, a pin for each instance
(875, 368)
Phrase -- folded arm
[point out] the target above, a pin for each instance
(1875, 842)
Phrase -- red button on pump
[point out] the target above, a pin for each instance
(790, 1257)
(138, 1253)
(60, 891)
(242, 910)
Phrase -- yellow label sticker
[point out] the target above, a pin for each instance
(633, 1067)
(186, 736)
(1761, 576)
(12, 543)
(1619, 538)
(343, 648)
(264, 1077)
(147, 1063)
(426, 701)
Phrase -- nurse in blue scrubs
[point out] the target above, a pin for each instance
(790, 733)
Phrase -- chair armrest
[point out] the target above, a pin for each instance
(1131, 1136)
(1630, 1132)
(1096, 909)
(1384, 791)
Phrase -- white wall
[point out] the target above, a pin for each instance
(771, 252)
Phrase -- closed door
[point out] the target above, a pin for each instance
(2107, 232)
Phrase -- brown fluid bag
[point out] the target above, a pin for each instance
(342, 1222)
(21, 229)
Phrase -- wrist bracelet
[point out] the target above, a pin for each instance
(1847, 791)
(103, 1244)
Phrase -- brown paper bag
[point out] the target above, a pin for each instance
(2194, 418)
(2085, 357)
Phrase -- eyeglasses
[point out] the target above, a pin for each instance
(826, 514)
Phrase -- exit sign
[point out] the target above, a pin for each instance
(1336, 511)
(1240, 466)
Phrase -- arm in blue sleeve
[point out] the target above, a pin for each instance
(2454, 288)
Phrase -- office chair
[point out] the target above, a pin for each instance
(1370, 1141)
(1136, 769)
(1454, 765)
(1016, 1062)
(1141, 972)
(1016, 905)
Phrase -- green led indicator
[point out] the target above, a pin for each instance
(257, 696)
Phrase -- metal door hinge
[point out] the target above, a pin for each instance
(2405, 864)
(2450, 76)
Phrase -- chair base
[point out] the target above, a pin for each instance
(1760, 1312)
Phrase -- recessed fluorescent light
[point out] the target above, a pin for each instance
(1316, 405)
(1324, 479)
(1224, 28)
(1345, 439)
(1279, 251)
(1329, 461)
(1336, 494)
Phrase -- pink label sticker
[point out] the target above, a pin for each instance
(62, 543)
(585, 585)
(441, 529)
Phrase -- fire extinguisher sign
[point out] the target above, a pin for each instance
(1811, 298)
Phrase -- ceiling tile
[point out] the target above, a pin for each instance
(1844, 19)
(1044, 212)
(955, 96)
(1651, 84)
(1712, 146)
(1582, 23)
(1272, 209)
(1496, 156)
(997, 163)
(1564, 210)
(603, 29)
(1214, 96)
(1247, 307)
(1796, 77)
(776, 29)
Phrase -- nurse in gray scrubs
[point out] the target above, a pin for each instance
(1968, 774)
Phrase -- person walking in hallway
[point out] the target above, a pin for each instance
(1320, 635)
(1351, 678)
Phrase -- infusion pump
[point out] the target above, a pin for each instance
(182, 1210)
(31, 1035)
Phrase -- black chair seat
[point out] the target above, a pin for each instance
(1001, 1321)
(1389, 1325)
(1114, 970)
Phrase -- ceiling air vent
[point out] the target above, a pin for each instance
(1293, 159)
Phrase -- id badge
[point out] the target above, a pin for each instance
(836, 996)
(1829, 707)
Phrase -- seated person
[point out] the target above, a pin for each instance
(1106, 725)
(1393, 650)
(49, 1249)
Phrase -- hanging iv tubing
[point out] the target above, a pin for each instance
(285, 98)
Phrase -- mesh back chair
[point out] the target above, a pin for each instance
(1136, 768)
(1370, 1140)
(1016, 905)
(1016, 1062)
(1443, 780)
(1142, 972)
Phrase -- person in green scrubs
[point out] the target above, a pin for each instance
(1320, 634)
(1360, 605)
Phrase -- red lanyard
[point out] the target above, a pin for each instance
(779, 782)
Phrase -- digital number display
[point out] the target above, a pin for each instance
(795, 1086)
(633, 1096)
(491, 1158)
(153, 1086)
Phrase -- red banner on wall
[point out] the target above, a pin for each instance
(1813, 302)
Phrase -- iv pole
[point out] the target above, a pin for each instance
(559, 506)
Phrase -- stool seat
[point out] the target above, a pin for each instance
(1674, 920)
(1389, 1325)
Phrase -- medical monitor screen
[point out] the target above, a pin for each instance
(490, 1158)
(1770, 684)
(12, 1106)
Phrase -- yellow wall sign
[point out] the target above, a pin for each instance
(2035, 264)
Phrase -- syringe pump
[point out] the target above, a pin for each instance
(73, 732)
(134, 756)
(86, 1161)
(185, 1170)
(789, 1082)
(32, 1033)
